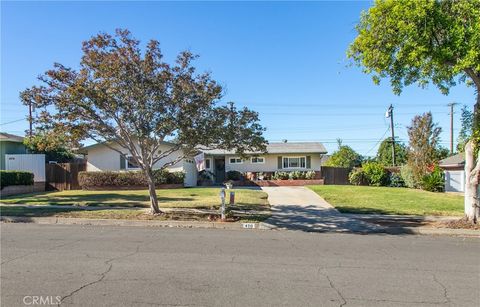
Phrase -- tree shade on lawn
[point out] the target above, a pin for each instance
(175, 198)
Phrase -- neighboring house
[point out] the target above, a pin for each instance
(454, 168)
(10, 144)
(301, 156)
(285, 156)
(102, 158)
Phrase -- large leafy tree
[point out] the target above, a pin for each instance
(51, 143)
(135, 101)
(465, 133)
(424, 138)
(422, 42)
(344, 156)
(384, 153)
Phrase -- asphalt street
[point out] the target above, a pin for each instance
(149, 266)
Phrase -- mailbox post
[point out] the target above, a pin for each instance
(222, 208)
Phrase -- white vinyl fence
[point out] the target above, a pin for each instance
(34, 163)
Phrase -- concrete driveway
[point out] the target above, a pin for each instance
(300, 208)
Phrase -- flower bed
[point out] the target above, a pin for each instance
(278, 183)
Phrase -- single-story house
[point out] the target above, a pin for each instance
(101, 157)
(454, 169)
(10, 144)
(286, 156)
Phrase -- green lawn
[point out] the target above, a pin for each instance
(172, 198)
(105, 213)
(385, 200)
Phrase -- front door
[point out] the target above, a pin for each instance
(219, 164)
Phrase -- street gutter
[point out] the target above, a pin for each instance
(223, 225)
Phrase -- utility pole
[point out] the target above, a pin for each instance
(390, 114)
(30, 119)
(451, 105)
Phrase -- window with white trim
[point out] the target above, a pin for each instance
(257, 160)
(208, 163)
(130, 163)
(235, 160)
(294, 162)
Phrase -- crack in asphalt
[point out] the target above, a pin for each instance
(393, 301)
(102, 275)
(38, 251)
(445, 292)
(332, 285)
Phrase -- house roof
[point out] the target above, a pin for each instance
(280, 148)
(455, 160)
(86, 148)
(7, 137)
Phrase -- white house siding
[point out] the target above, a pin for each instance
(102, 158)
(271, 163)
(454, 180)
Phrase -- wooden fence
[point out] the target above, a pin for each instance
(63, 176)
(335, 175)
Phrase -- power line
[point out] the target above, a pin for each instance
(378, 142)
(13, 121)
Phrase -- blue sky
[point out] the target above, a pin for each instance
(285, 60)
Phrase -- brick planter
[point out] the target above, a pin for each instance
(133, 187)
(22, 189)
(278, 183)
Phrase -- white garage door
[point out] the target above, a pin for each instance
(454, 181)
(190, 173)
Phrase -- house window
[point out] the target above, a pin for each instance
(235, 160)
(257, 160)
(131, 164)
(208, 163)
(294, 162)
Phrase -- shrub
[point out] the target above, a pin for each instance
(205, 175)
(126, 179)
(375, 174)
(295, 175)
(434, 181)
(234, 175)
(396, 181)
(357, 177)
(407, 175)
(175, 177)
(15, 178)
(281, 176)
(310, 175)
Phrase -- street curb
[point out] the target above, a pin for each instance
(220, 225)
(433, 231)
(121, 222)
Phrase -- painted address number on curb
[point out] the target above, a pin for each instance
(248, 225)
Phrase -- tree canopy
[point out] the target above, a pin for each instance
(424, 138)
(384, 153)
(344, 156)
(123, 96)
(420, 42)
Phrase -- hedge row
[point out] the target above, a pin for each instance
(130, 178)
(15, 178)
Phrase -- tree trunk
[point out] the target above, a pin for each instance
(471, 184)
(153, 194)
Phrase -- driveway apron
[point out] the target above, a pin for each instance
(299, 208)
